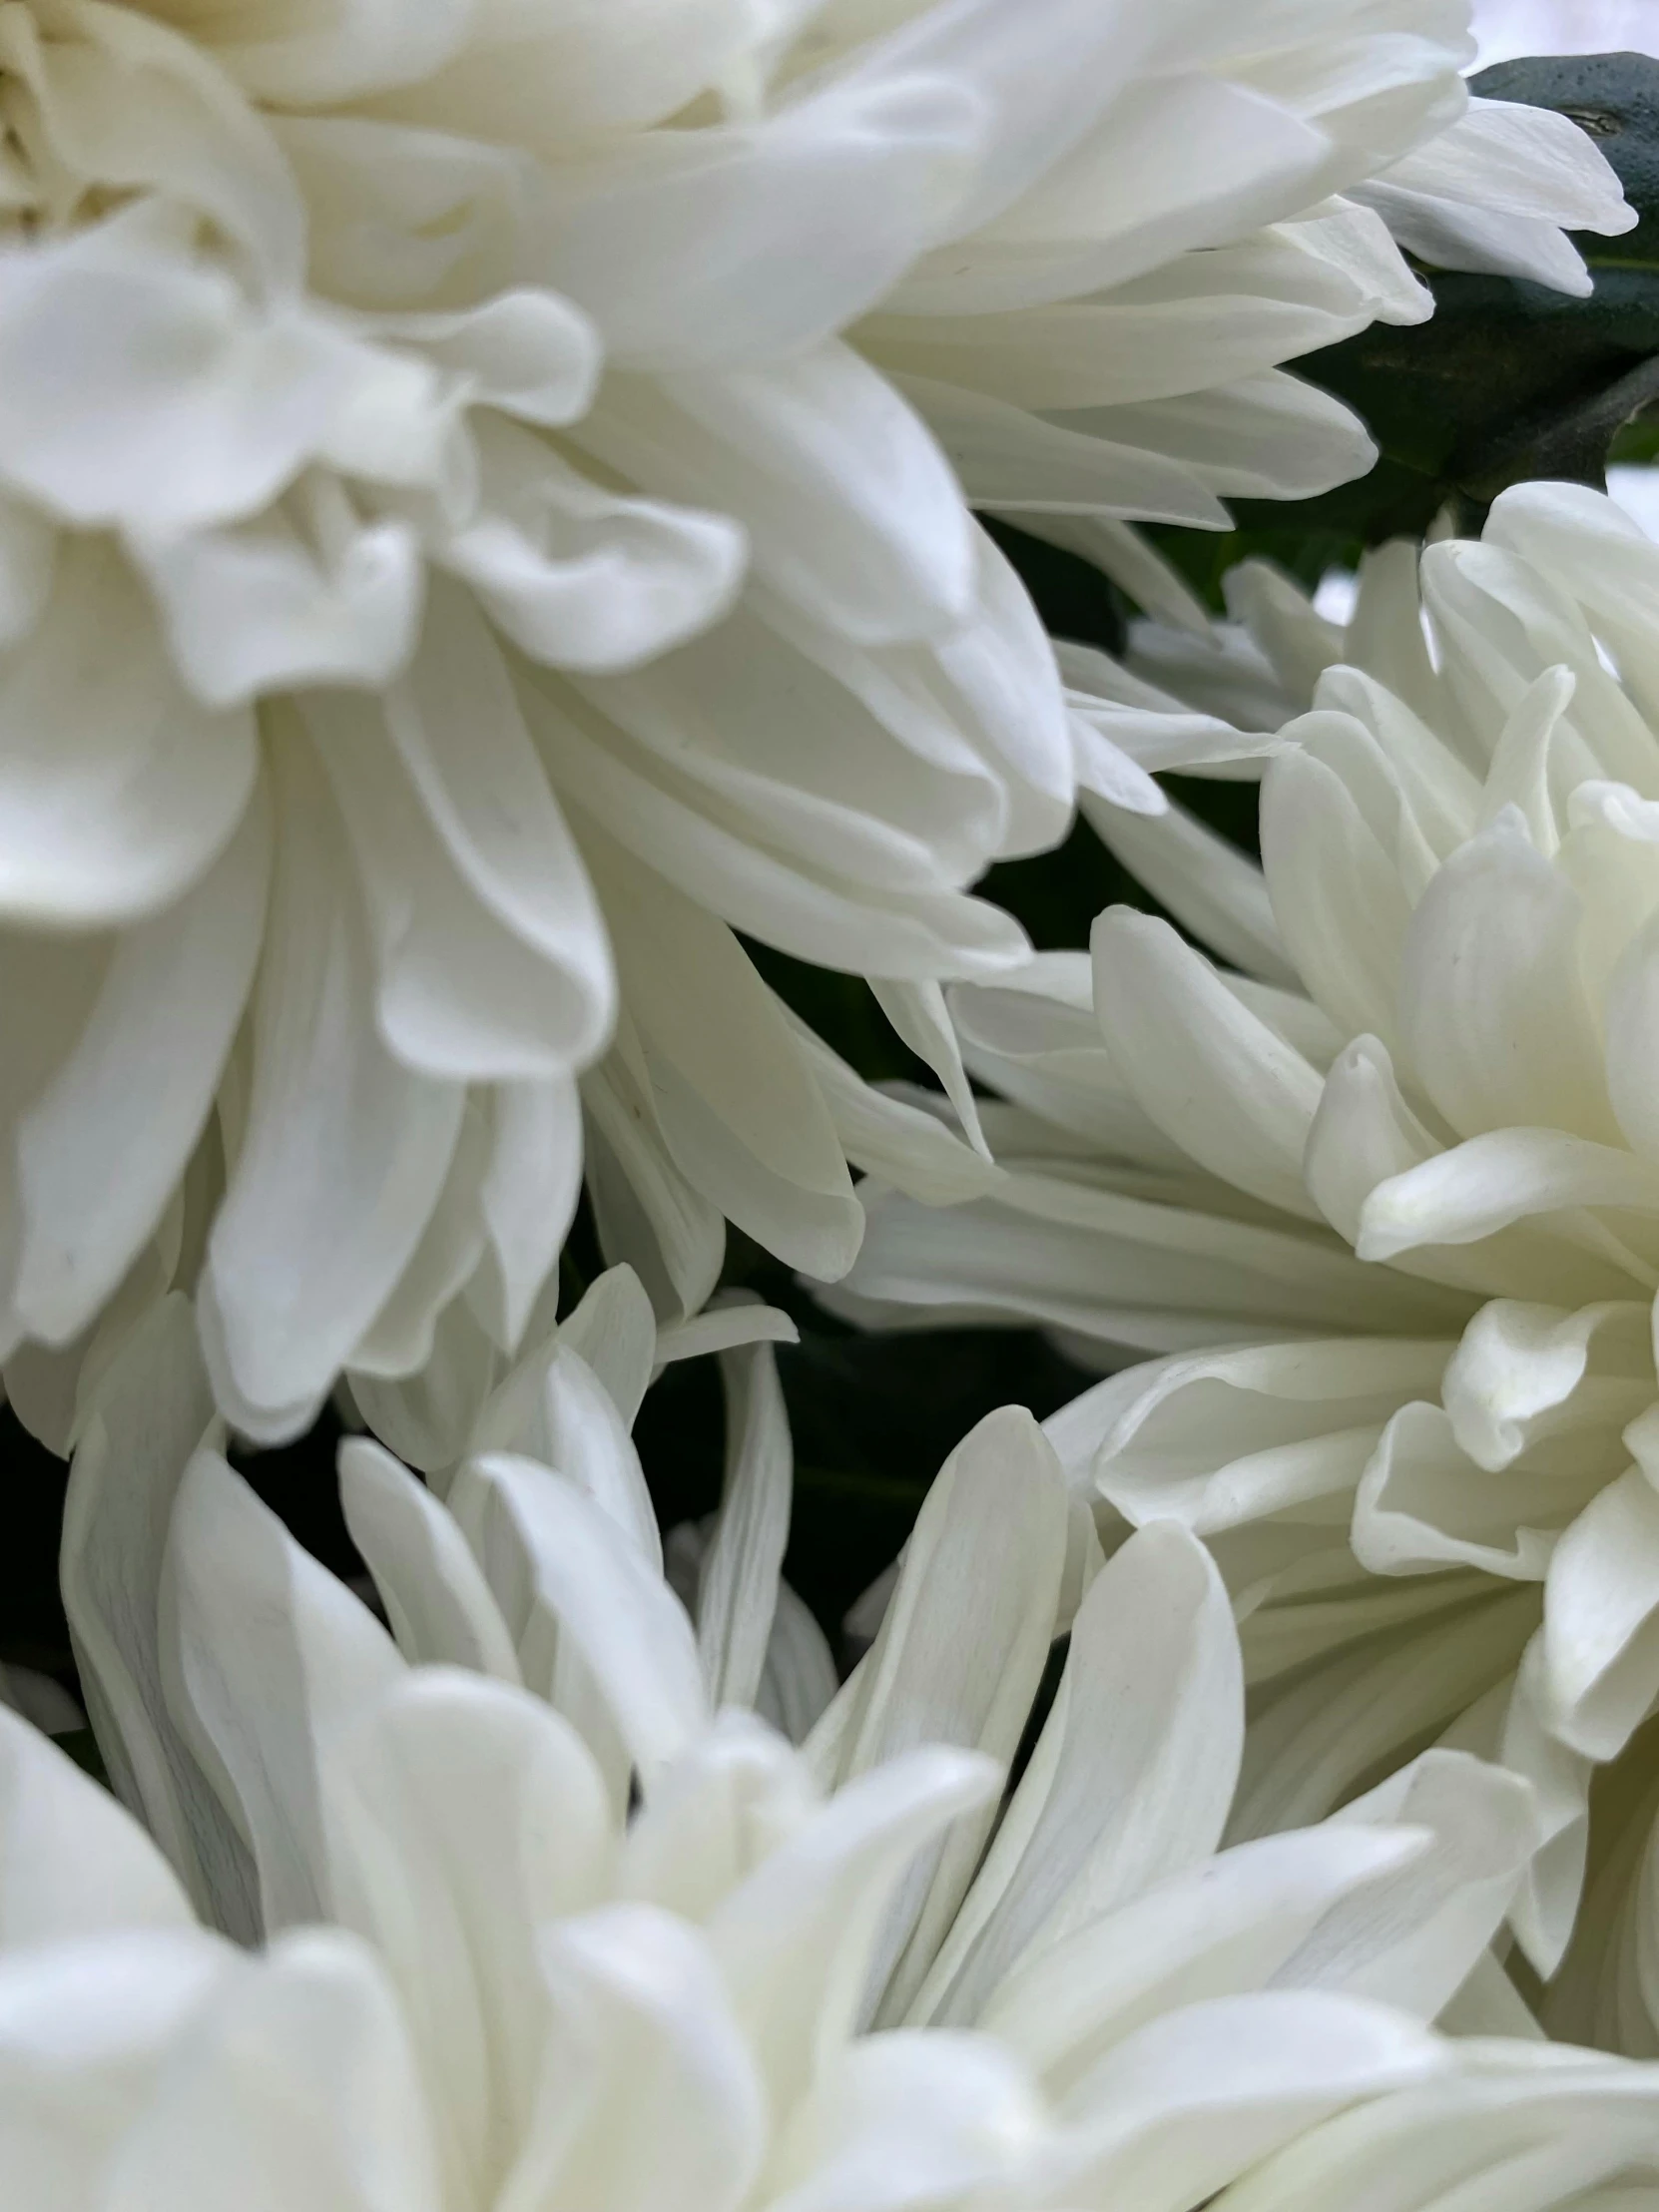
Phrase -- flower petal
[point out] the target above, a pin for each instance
(1412, 1938)
(584, 578)
(437, 1603)
(151, 1412)
(1493, 1012)
(299, 2081)
(268, 1653)
(816, 208)
(116, 789)
(139, 1085)
(1225, 1086)
(1132, 1775)
(638, 2010)
(794, 1940)
(1601, 1618)
(463, 1816)
(344, 1152)
(850, 509)
(1219, 1928)
(737, 1590)
(72, 1862)
(1191, 2101)
(589, 1580)
(990, 1543)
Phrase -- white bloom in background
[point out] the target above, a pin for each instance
(1636, 489)
(477, 1984)
(1386, 1181)
(472, 540)
(1506, 28)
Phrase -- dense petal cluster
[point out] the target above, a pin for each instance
(1384, 1184)
(482, 522)
(476, 1982)
(491, 576)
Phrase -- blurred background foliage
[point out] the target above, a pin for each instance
(1505, 382)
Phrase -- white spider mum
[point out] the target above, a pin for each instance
(1386, 1183)
(455, 571)
(476, 1982)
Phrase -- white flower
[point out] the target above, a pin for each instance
(1506, 28)
(479, 1983)
(1395, 1168)
(469, 543)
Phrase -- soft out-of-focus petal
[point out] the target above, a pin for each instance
(194, 410)
(1193, 2100)
(344, 1152)
(74, 1863)
(579, 576)
(794, 1941)
(350, 48)
(311, 2034)
(817, 209)
(637, 2005)
(254, 606)
(912, 2117)
(85, 2033)
(563, 71)
(154, 1041)
(850, 507)
(460, 1816)
(716, 1812)
(1536, 2120)
(117, 788)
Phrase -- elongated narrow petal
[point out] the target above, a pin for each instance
(1131, 1777)
(991, 1538)
(737, 1594)
(266, 1653)
(436, 1598)
(599, 1591)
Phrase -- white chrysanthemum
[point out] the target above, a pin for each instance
(782, 1982)
(390, 395)
(1401, 1150)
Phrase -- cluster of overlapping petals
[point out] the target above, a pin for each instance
(1381, 1184)
(484, 521)
(488, 526)
(530, 1910)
